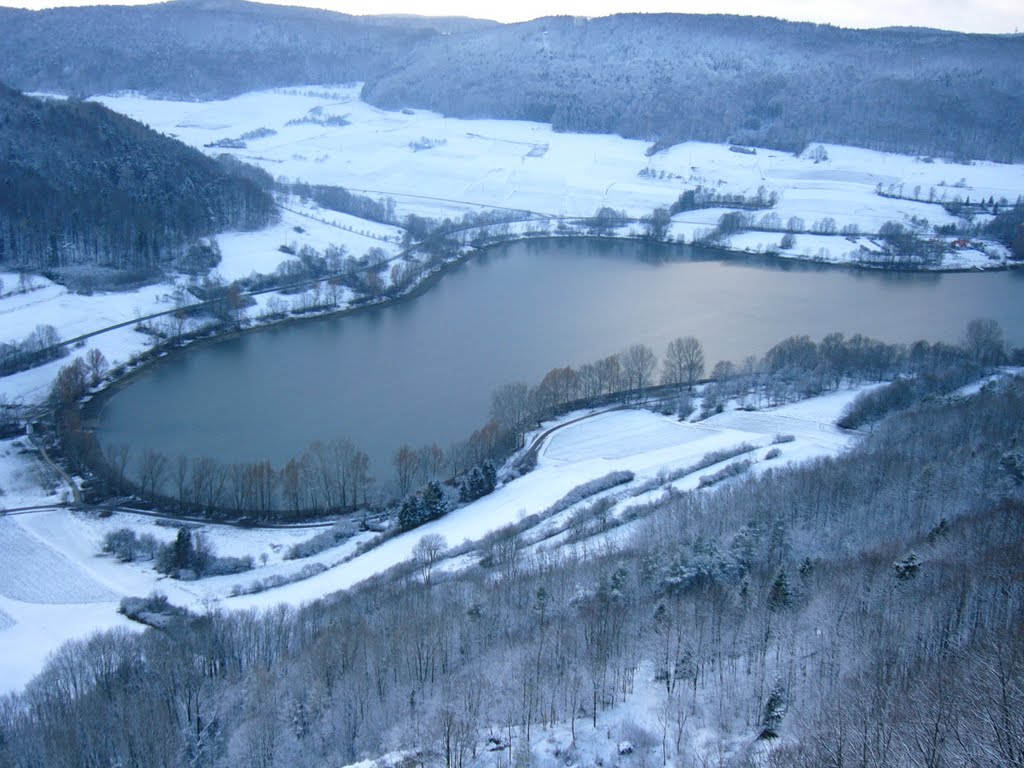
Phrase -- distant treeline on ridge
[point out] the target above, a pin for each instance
(661, 78)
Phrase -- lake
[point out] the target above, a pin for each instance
(422, 370)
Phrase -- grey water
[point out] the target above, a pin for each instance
(422, 370)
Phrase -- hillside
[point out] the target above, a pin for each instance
(660, 78)
(672, 78)
(86, 186)
(197, 49)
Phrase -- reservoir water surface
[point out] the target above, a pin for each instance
(422, 370)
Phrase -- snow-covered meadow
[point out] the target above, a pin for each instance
(450, 163)
(56, 586)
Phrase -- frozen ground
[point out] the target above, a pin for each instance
(243, 253)
(55, 585)
(442, 166)
(48, 303)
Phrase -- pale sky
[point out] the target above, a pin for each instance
(999, 16)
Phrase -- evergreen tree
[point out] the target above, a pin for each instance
(907, 567)
(774, 709)
(780, 596)
(490, 477)
(410, 514)
(434, 504)
(183, 549)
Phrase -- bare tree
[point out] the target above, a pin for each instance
(97, 365)
(118, 456)
(984, 341)
(684, 362)
(152, 466)
(181, 465)
(431, 459)
(510, 406)
(359, 476)
(609, 373)
(406, 467)
(427, 552)
(638, 365)
(208, 479)
(292, 486)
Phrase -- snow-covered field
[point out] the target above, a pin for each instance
(56, 586)
(524, 165)
(243, 253)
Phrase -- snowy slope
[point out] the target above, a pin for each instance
(55, 586)
(524, 165)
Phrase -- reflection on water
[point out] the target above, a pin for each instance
(422, 370)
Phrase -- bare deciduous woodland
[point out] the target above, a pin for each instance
(866, 609)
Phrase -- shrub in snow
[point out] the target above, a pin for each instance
(714, 457)
(320, 543)
(684, 406)
(732, 470)
(635, 738)
(190, 557)
(154, 610)
(780, 438)
(279, 580)
(774, 453)
(588, 489)
(124, 545)
(225, 566)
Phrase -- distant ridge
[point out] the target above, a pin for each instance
(665, 78)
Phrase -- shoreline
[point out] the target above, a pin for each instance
(91, 409)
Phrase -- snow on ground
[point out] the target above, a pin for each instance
(42, 575)
(41, 629)
(52, 575)
(639, 441)
(301, 224)
(452, 164)
(73, 314)
(24, 480)
(52, 566)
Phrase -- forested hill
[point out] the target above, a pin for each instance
(200, 48)
(662, 78)
(84, 185)
(765, 82)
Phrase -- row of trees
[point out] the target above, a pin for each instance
(40, 346)
(336, 475)
(864, 608)
(629, 374)
(328, 478)
(702, 197)
(795, 368)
